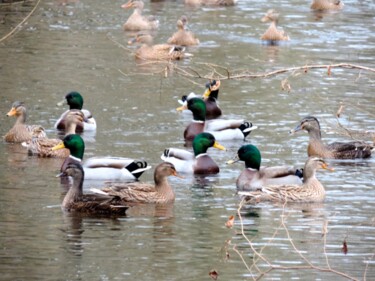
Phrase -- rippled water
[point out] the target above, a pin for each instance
(79, 47)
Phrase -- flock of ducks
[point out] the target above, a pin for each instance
(255, 183)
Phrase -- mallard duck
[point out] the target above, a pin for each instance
(210, 97)
(324, 5)
(137, 21)
(183, 37)
(256, 176)
(76, 201)
(137, 193)
(310, 191)
(42, 147)
(75, 101)
(336, 150)
(273, 34)
(198, 162)
(101, 168)
(147, 51)
(21, 132)
(221, 129)
(211, 2)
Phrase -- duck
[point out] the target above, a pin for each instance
(311, 191)
(211, 2)
(199, 162)
(75, 101)
(136, 21)
(21, 132)
(222, 130)
(325, 5)
(273, 34)
(148, 51)
(255, 176)
(91, 204)
(183, 37)
(101, 168)
(145, 193)
(335, 150)
(210, 97)
(42, 147)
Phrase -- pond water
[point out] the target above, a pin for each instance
(81, 46)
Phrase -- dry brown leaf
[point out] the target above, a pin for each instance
(213, 274)
(285, 86)
(329, 70)
(339, 111)
(344, 248)
(230, 222)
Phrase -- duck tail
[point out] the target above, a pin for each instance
(136, 168)
(246, 128)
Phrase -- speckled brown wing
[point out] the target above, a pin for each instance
(134, 192)
(98, 206)
(350, 150)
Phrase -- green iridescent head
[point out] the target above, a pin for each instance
(203, 141)
(198, 108)
(74, 100)
(250, 154)
(75, 144)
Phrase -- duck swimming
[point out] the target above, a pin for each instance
(75, 101)
(101, 168)
(144, 193)
(221, 129)
(92, 204)
(198, 162)
(325, 5)
(21, 132)
(273, 34)
(255, 176)
(311, 191)
(335, 150)
(183, 37)
(136, 21)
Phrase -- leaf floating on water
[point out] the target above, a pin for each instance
(213, 274)
(329, 70)
(230, 222)
(344, 248)
(339, 111)
(285, 86)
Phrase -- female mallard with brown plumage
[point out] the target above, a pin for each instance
(21, 132)
(325, 5)
(92, 204)
(273, 34)
(198, 162)
(135, 193)
(183, 37)
(148, 51)
(42, 147)
(211, 2)
(137, 21)
(221, 129)
(310, 191)
(254, 177)
(336, 150)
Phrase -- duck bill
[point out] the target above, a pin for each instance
(206, 93)
(12, 112)
(219, 146)
(295, 130)
(177, 175)
(60, 175)
(234, 160)
(127, 5)
(59, 146)
(182, 108)
(326, 167)
(132, 41)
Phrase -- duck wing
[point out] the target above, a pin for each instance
(350, 150)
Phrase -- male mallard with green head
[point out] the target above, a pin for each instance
(335, 150)
(198, 162)
(255, 176)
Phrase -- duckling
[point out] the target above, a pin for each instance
(21, 132)
(256, 176)
(42, 147)
(324, 5)
(144, 193)
(273, 34)
(76, 201)
(199, 162)
(310, 191)
(336, 150)
(101, 168)
(137, 21)
(75, 101)
(211, 2)
(147, 51)
(183, 37)
(210, 97)
(221, 129)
